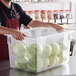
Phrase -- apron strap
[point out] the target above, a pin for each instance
(15, 12)
(5, 13)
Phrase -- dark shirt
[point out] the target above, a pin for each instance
(21, 15)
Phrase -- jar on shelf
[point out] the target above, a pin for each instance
(68, 13)
(63, 16)
(50, 16)
(57, 16)
(42, 0)
(49, 0)
(34, 0)
(44, 15)
(45, 0)
(32, 14)
(23, 0)
(69, 16)
(56, 0)
(37, 15)
(17, 0)
(20, 0)
(28, 0)
(52, 0)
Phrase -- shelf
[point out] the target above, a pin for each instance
(48, 1)
(37, 2)
(40, 2)
(67, 0)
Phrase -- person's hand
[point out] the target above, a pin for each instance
(17, 35)
(58, 28)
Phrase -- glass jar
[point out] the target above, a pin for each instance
(50, 15)
(28, 0)
(50, 0)
(20, 0)
(68, 13)
(34, 0)
(63, 17)
(32, 14)
(43, 15)
(37, 15)
(17, 0)
(23, 0)
(42, 0)
(57, 16)
(69, 16)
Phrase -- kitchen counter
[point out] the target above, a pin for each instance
(64, 70)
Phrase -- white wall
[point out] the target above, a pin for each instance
(44, 6)
(74, 11)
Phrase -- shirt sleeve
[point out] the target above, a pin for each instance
(24, 18)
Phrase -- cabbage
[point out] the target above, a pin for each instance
(55, 48)
(54, 60)
(46, 62)
(26, 54)
(35, 49)
(21, 62)
(47, 50)
(35, 64)
(32, 64)
(63, 46)
(63, 56)
(19, 48)
(39, 64)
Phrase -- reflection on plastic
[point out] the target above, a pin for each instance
(62, 70)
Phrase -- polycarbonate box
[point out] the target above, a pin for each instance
(41, 49)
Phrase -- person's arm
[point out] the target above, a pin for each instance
(35, 23)
(16, 34)
(28, 21)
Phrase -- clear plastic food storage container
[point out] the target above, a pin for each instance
(42, 49)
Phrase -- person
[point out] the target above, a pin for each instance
(11, 18)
